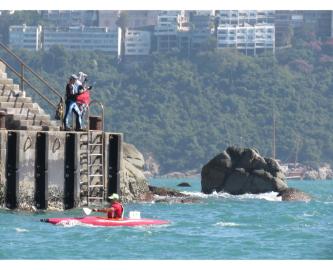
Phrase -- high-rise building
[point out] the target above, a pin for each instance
(25, 37)
(201, 26)
(239, 17)
(137, 42)
(82, 38)
(108, 18)
(65, 18)
(166, 32)
(249, 39)
(289, 22)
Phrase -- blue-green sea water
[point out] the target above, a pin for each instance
(220, 226)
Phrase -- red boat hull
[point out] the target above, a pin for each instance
(102, 221)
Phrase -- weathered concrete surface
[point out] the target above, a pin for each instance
(55, 144)
(3, 151)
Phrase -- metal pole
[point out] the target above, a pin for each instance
(22, 78)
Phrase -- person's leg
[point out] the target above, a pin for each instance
(69, 108)
(78, 116)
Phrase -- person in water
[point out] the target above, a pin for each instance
(115, 210)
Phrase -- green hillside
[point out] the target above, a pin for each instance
(183, 111)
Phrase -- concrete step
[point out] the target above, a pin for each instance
(21, 111)
(2, 67)
(32, 122)
(31, 116)
(17, 105)
(3, 75)
(9, 87)
(34, 127)
(12, 98)
(6, 81)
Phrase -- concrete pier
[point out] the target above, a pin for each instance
(47, 169)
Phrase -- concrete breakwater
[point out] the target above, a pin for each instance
(48, 169)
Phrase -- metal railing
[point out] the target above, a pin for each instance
(23, 80)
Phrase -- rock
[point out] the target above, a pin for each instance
(183, 184)
(133, 183)
(168, 195)
(161, 191)
(151, 165)
(242, 170)
(293, 194)
(132, 155)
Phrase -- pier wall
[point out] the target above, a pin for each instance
(43, 168)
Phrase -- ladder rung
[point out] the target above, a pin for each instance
(93, 186)
(96, 165)
(95, 154)
(95, 198)
(93, 175)
(93, 144)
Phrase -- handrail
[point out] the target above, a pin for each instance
(27, 82)
(24, 80)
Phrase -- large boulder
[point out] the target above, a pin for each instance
(133, 183)
(242, 170)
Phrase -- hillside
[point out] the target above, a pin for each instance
(183, 111)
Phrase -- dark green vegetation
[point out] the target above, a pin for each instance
(184, 111)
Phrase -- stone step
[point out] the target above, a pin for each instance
(21, 111)
(17, 105)
(2, 67)
(6, 81)
(9, 87)
(37, 128)
(34, 122)
(3, 75)
(12, 98)
(31, 116)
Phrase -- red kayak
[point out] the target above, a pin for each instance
(103, 221)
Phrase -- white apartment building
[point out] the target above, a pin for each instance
(82, 38)
(170, 22)
(137, 42)
(25, 37)
(248, 39)
(239, 17)
(166, 32)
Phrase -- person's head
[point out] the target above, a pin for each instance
(73, 78)
(82, 76)
(114, 197)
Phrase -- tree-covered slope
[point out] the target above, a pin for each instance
(183, 111)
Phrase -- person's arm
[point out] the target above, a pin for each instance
(104, 210)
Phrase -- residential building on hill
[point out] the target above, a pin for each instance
(166, 32)
(65, 18)
(25, 37)
(82, 38)
(249, 39)
(137, 42)
(239, 17)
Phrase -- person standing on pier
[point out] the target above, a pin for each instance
(71, 92)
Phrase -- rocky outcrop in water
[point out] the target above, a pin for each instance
(293, 194)
(168, 195)
(242, 170)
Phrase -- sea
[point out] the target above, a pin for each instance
(218, 226)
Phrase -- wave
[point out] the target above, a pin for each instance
(268, 196)
(21, 230)
(72, 223)
(227, 224)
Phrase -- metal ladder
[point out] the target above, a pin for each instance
(95, 161)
